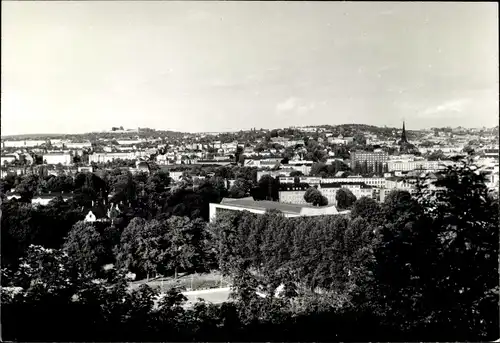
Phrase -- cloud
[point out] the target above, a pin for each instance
(306, 108)
(293, 104)
(450, 108)
(288, 105)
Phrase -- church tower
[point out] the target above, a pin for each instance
(403, 135)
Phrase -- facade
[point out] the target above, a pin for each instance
(83, 145)
(378, 182)
(22, 144)
(359, 189)
(412, 165)
(274, 173)
(295, 194)
(55, 158)
(109, 157)
(369, 157)
(260, 207)
(7, 159)
(87, 169)
(41, 199)
(493, 153)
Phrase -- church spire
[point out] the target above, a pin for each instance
(403, 134)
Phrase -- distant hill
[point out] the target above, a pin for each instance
(93, 135)
(33, 136)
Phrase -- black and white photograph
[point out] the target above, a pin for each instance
(249, 171)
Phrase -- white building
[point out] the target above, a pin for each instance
(55, 158)
(108, 157)
(129, 142)
(23, 143)
(408, 165)
(82, 145)
(260, 207)
(378, 182)
(7, 159)
(274, 173)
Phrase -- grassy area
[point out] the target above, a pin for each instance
(192, 282)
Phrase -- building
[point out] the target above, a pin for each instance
(86, 169)
(260, 207)
(359, 189)
(109, 157)
(41, 199)
(74, 145)
(45, 199)
(274, 173)
(22, 144)
(6, 159)
(378, 182)
(492, 153)
(369, 157)
(263, 163)
(294, 194)
(55, 158)
(401, 165)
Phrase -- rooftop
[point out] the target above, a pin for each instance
(267, 205)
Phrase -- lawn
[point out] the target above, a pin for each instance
(191, 282)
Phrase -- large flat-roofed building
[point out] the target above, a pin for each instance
(314, 180)
(260, 207)
(401, 165)
(369, 157)
(294, 194)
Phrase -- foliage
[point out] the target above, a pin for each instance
(85, 248)
(267, 188)
(314, 197)
(368, 209)
(345, 198)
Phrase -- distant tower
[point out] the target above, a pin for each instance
(403, 135)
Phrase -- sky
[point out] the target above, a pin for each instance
(74, 67)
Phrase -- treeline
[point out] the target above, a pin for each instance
(59, 303)
(425, 266)
(146, 196)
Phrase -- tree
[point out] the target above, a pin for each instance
(28, 187)
(185, 251)
(240, 188)
(468, 150)
(268, 188)
(367, 209)
(436, 156)
(314, 197)
(85, 248)
(238, 154)
(345, 198)
(127, 255)
(434, 256)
